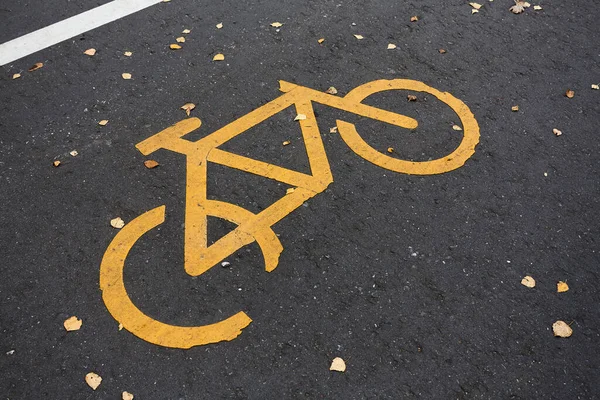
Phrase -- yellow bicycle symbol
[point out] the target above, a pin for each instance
(199, 257)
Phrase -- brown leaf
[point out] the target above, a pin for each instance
(442, 51)
(414, 18)
(219, 57)
(151, 164)
(117, 223)
(338, 365)
(174, 46)
(36, 66)
(528, 281)
(321, 40)
(518, 8)
(16, 76)
(562, 329)
(127, 396)
(390, 150)
(72, 324)
(180, 39)
(556, 132)
(411, 97)
(56, 163)
(570, 93)
(187, 107)
(93, 380)
(126, 75)
(515, 108)
(103, 122)
(90, 52)
(562, 287)
(331, 90)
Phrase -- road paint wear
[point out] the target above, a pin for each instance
(198, 256)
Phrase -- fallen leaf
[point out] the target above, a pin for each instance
(391, 46)
(411, 97)
(219, 25)
(180, 39)
(120, 327)
(594, 86)
(117, 223)
(36, 66)
(331, 90)
(166, 1)
(338, 365)
(90, 52)
(562, 287)
(185, 31)
(570, 93)
(537, 7)
(219, 57)
(414, 18)
(16, 76)
(56, 163)
(286, 143)
(474, 11)
(187, 107)
(290, 190)
(128, 54)
(151, 164)
(526, 4)
(127, 396)
(103, 122)
(359, 37)
(528, 281)
(333, 130)
(518, 8)
(72, 324)
(225, 264)
(556, 132)
(390, 150)
(126, 75)
(562, 329)
(74, 153)
(93, 380)
(174, 46)
(442, 51)
(476, 6)
(276, 24)
(515, 108)
(321, 40)
(300, 117)
(456, 128)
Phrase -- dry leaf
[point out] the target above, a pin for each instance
(180, 39)
(476, 6)
(187, 107)
(219, 57)
(537, 7)
(570, 93)
(391, 46)
(526, 4)
(411, 97)
(74, 153)
(528, 281)
(117, 223)
(219, 25)
(456, 128)
(331, 90)
(321, 40)
(474, 11)
(286, 143)
(93, 380)
(174, 46)
(562, 287)
(72, 324)
(276, 24)
(290, 190)
(333, 130)
(562, 329)
(594, 86)
(128, 54)
(518, 8)
(414, 18)
(36, 66)
(338, 365)
(56, 163)
(515, 108)
(127, 396)
(300, 117)
(185, 31)
(120, 327)
(359, 37)
(390, 150)
(90, 52)
(556, 132)
(126, 75)
(103, 122)
(151, 164)
(442, 51)
(16, 76)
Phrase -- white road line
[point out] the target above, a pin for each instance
(66, 29)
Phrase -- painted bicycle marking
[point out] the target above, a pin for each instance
(198, 256)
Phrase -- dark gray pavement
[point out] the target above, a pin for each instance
(413, 280)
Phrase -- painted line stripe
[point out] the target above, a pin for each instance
(70, 27)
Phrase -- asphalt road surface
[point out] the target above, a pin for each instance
(413, 280)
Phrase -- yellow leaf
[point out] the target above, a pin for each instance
(456, 128)
(556, 132)
(300, 117)
(390, 150)
(219, 25)
(128, 54)
(528, 281)
(537, 7)
(562, 287)
(276, 24)
(219, 57)
(36, 66)
(321, 40)
(180, 39)
(72, 324)
(117, 223)
(90, 52)
(151, 164)
(331, 90)
(414, 18)
(391, 46)
(74, 153)
(126, 75)
(185, 31)
(103, 122)
(338, 365)
(286, 143)
(127, 396)
(56, 163)
(290, 190)
(476, 6)
(359, 37)
(16, 76)
(562, 329)
(187, 107)
(515, 108)
(174, 46)
(93, 380)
